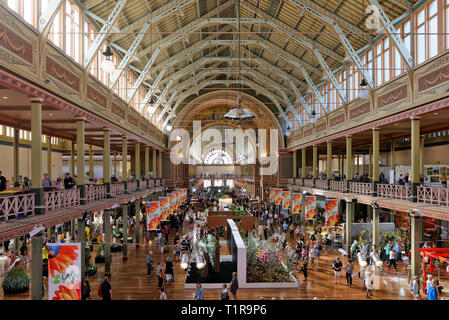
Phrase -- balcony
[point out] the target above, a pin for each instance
(132, 186)
(95, 193)
(59, 199)
(16, 206)
(298, 182)
(143, 185)
(393, 191)
(339, 186)
(361, 188)
(321, 184)
(438, 196)
(308, 182)
(117, 189)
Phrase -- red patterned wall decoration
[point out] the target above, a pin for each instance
(337, 120)
(308, 132)
(360, 110)
(118, 111)
(57, 71)
(132, 120)
(392, 96)
(96, 96)
(321, 126)
(434, 78)
(16, 44)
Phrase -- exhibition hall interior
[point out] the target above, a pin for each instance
(224, 150)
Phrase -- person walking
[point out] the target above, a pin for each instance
(349, 271)
(415, 288)
(199, 293)
(362, 276)
(163, 295)
(224, 295)
(149, 261)
(369, 281)
(304, 268)
(160, 279)
(318, 248)
(337, 265)
(85, 290)
(166, 232)
(106, 289)
(392, 260)
(292, 231)
(23, 251)
(234, 285)
(168, 270)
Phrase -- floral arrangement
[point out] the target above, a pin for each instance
(267, 261)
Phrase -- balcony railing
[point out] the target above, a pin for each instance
(132, 186)
(321, 184)
(58, 199)
(117, 189)
(290, 181)
(95, 193)
(13, 206)
(433, 195)
(308, 182)
(361, 188)
(393, 191)
(338, 186)
(143, 185)
(298, 182)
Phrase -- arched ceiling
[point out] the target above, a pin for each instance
(185, 48)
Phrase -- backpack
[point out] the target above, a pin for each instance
(100, 291)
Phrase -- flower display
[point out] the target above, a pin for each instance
(65, 293)
(61, 257)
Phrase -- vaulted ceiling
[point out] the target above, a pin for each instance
(287, 47)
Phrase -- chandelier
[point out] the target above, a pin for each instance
(239, 113)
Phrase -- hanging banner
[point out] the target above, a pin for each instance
(171, 202)
(278, 197)
(240, 183)
(153, 215)
(331, 212)
(286, 200)
(64, 271)
(271, 195)
(310, 207)
(184, 195)
(178, 198)
(199, 184)
(164, 207)
(296, 203)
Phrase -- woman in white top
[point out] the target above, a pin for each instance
(362, 276)
(369, 281)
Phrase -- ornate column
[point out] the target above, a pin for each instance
(147, 162)
(137, 162)
(125, 161)
(154, 169)
(159, 165)
(349, 161)
(370, 164)
(72, 159)
(329, 163)
(80, 182)
(421, 155)
(36, 154)
(137, 236)
(315, 163)
(82, 239)
(49, 157)
(91, 163)
(375, 159)
(16, 155)
(303, 163)
(125, 230)
(416, 239)
(376, 230)
(414, 182)
(107, 241)
(294, 164)
(348, 224)
(107, 160)
(36, 268)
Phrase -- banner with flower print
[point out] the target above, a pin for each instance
(172, 202)
(278, 197)
(271, 195)
(164, 207)
(310, 207)
(64, 271)
(296, 203)
(153, 215)
(331, 213)
(286, 200)
(199, 184)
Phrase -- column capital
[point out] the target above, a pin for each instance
(106, 129)
(415, 118)
(80, 119)
(36, 99)
(376, 129)
(348, 136)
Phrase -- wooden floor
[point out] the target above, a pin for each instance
(129, 282)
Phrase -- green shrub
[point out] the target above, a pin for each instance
(16, 281)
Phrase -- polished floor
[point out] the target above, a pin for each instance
(129, 282)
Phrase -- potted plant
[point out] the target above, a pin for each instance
(16, 281)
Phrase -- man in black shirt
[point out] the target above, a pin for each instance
(68, 181)
(2, 182)
(106, 289)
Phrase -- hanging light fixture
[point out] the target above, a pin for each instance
(185, 261)
(364, 93)
(313, 117)
(200, 263)
(107, 65)
(169, 126)
(239, 113)
(288, 132)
